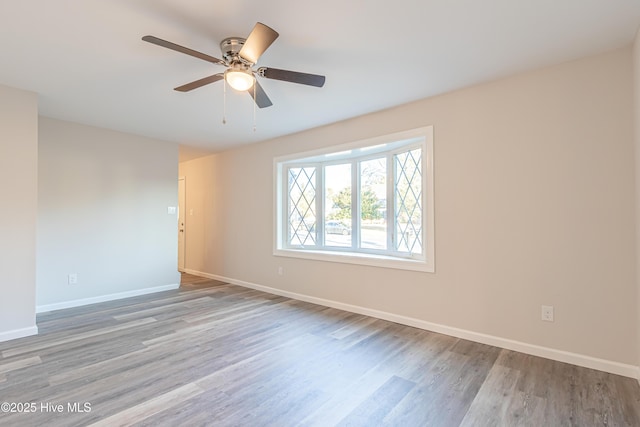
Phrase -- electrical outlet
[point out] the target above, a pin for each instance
(73, 278)
(280, 271)
(547, 313)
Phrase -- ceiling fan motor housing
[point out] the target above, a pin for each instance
(230, 48)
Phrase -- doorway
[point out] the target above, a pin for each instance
(182, 215)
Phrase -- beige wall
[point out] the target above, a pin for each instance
(636, 120)
(102, 213)
(534, 178)
(18, 186)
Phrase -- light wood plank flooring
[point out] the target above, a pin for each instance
(214, 354)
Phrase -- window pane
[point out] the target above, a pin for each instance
(408, 201)
(337, 219)
(302, 206)
(373, 204)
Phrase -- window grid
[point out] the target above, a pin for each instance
(302, 205)
(307, 206)
(408, 198)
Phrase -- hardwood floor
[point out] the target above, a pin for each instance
(214, 354)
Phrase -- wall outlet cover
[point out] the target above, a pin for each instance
(547, 313)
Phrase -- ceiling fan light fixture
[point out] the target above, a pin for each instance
(240, 80)
(240, 56)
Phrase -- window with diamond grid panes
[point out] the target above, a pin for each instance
(302, 206)
(369, 202)
(408, 201)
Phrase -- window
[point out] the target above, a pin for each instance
(369, 202)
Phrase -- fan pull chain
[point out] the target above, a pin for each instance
(224, 102)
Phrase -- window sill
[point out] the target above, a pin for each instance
(358, 258)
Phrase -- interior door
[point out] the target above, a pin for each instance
(182, 215)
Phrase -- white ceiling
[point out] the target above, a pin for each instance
(86, 60)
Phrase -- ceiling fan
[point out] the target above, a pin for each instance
(240, 55)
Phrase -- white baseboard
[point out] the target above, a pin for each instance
(604, 365)
(18, 333)
(103, 298)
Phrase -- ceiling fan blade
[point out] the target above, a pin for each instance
(260, 97)
(258, 41)
(292, 76)
(182, 49)
(199, 83)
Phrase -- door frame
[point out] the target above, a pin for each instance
(182, 223)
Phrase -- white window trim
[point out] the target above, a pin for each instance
(426, 264)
